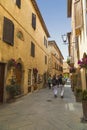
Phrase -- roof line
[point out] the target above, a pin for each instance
(53, 41)
(40, 17)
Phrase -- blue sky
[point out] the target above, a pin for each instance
(54, 13)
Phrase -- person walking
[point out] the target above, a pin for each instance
(57, 78)
(49, 81)
(55, 89)
(61, 85)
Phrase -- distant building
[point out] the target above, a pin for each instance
(55, 60)
(65, 69)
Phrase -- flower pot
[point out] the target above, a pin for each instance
(78, 98)
(84, 106)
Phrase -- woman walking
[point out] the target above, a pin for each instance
(55, 89)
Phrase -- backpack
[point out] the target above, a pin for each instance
(63, 81)
(54, 81)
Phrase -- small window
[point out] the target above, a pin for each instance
(32, 49)
(8, 31)
(45, 59)
(18, 3)
(33, 21)
(77, 0)
(45, 41)
(29, 77)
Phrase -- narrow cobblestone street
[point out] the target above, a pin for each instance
(41, 111)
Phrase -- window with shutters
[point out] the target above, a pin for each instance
(45, 59)
(33, 21)
(77, 0)
(32, 49)
(78, 16)
(45, 41)
(8, 31)
(18, 3)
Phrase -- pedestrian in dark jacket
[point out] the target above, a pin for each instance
(61, 85)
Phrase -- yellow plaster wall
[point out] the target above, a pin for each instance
(21, 49)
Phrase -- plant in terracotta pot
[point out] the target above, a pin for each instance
(11, 63)
(78, 94)
(83, 62)
(13, 89)
(84, 104)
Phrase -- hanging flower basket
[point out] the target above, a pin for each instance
(68, 61)
(35, 70)
(83, 62)
(12, 63)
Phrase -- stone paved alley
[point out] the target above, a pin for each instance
(41, 111)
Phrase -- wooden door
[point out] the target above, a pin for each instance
(2, 71)
(18, 73)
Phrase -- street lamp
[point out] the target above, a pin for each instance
(65, 39)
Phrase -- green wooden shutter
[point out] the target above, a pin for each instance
(34, 21)
(18, 3)
(32, 49)
(8, 31)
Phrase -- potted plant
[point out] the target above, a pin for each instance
(11, 63)
(78, 94)
(83, 62)
(68, 61)
(13, 89)
(84, 104)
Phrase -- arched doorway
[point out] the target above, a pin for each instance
(14, 73)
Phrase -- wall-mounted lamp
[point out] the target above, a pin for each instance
(65, 39)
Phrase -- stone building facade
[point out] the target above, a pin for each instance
(23, 46)
(55, 60)
(66, 69)
(77, 11)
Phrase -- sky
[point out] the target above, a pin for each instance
(54, 13)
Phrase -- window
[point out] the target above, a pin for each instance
(32, 49)
(45, 59)
(78, 16)
(33, 21)
(29, 77)
(8, 31)
(18, 3)
(45, 41)
(77, 0)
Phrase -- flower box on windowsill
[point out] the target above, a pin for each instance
(83, 62)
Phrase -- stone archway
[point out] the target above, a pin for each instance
(15, 72)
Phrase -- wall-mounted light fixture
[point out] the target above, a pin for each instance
(65, 39)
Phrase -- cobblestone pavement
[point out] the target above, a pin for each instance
(41, 111)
